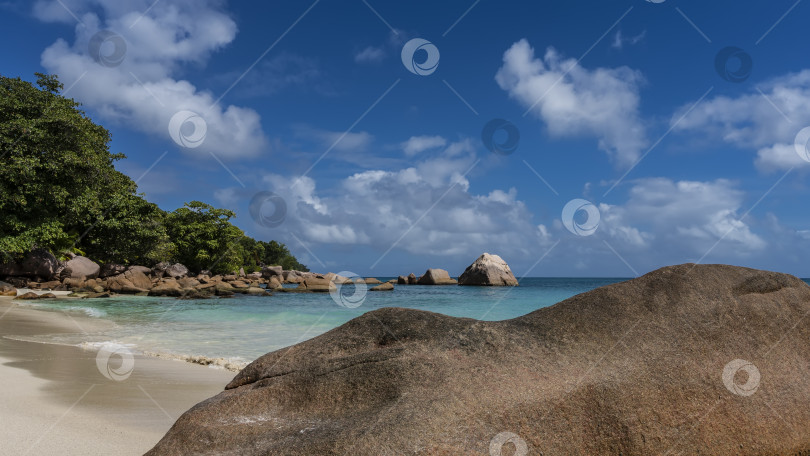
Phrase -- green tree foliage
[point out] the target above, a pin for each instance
(59, 189)
(204, 238)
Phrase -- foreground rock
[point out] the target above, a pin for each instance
(436, 277)
(644, 367)
(488, 270)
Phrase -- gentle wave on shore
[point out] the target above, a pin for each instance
(229, 333)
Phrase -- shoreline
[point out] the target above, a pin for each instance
(56, 400)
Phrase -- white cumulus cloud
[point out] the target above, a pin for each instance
(143, 92)
(573, 100)
(767, 122)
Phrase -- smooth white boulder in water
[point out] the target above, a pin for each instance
(488, 270)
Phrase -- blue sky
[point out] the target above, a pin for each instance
(677, 150)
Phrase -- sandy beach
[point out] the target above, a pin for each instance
(55, 400)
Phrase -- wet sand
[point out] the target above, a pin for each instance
(55, 400)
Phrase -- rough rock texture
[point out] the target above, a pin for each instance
(488, 270)
(6, 289)
(635, 368)
(111, 269)
(412, 279)
(132, 281)
(143, 269)
(37, 264)
(436, 277)
(80, 267)
(272, 271)
(402, 280)
(27, 296)
(387, 286)
(176, 271)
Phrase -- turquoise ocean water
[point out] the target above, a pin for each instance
(243, 328)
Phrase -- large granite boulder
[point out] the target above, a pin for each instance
(402, 280)
(412, 279)
(111, 269)
(488, 270)
(36, 264)
(80, 267)
(7, 289)
(132, 281)
(176, 271)
(293, 277)
(689, 359)
(436, 277)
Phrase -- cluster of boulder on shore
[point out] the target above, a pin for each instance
(42, 271)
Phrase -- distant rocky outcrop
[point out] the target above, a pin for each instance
(436, 277)
(689, 359)
(488, 270)
(387, 286)
(412, 279)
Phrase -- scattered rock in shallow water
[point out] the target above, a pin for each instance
(387, 286)
(412, 279)
(402, 280)
(642, 367)
(97, 295)
(28, 295)
(370, 280)
(488, 270)
(436, 277)
(47, 296)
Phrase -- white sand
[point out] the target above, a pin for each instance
(54, 399)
